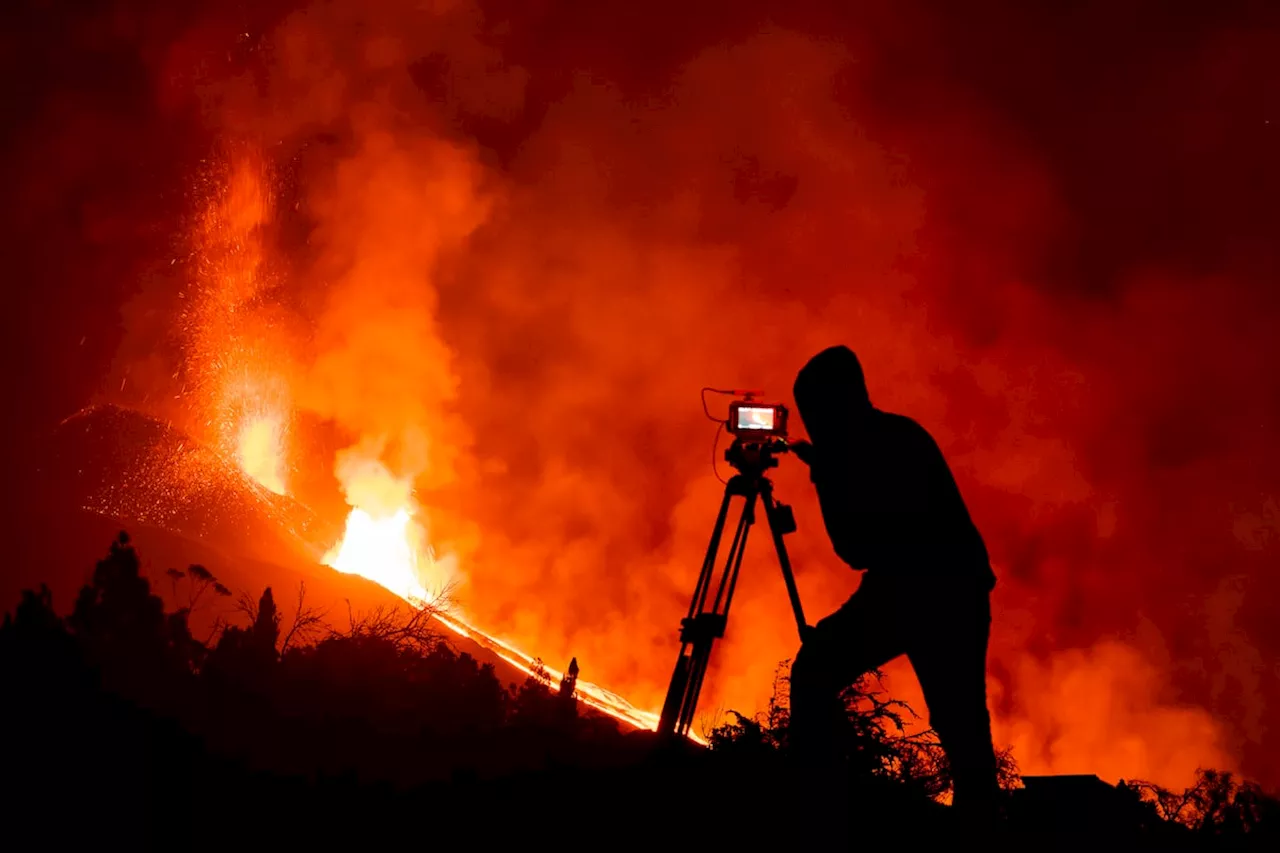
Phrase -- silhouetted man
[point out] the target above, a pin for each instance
(892, 509)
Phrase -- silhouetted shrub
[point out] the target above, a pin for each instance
(877, 742)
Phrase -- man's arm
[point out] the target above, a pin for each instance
(879, 495)
(845, 514)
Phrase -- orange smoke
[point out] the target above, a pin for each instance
(1097, 711)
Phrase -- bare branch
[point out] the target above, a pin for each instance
(204, 580)
(307, 622)
(413, 629)
(248, 605)
(219, 625)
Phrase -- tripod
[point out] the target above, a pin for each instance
(707, 619)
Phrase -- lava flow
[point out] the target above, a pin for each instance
(386, 542)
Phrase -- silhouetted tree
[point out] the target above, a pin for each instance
(247, 656)
(535, 705)
(266, 623)
(116, 613)
(1217, 804)
(125, 633)
(538, 672)
(34, 616)
(569, 682)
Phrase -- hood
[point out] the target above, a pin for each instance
(831, 394)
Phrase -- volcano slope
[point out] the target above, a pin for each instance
(184, 503)
(108, 469)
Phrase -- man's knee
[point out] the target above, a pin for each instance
(963, 729)
(814, 682)
(806, 673)
(957, 700)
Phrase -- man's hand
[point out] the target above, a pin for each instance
(803, 451)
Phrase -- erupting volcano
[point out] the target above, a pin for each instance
(239, 362)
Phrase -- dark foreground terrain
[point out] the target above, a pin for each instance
(122, 728)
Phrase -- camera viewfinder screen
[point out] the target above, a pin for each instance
(755, 417)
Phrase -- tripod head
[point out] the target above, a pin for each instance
(752, 457)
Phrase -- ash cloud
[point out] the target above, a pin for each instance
(524, 236)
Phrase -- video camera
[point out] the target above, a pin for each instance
(757, 421)
(759, 431)
(750, 421)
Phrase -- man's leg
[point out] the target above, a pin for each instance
(861, 636)
(864, 634)
(949, 655)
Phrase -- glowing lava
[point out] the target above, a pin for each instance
(591, 695)
(385, 540)
(260, 450)
(380, 549)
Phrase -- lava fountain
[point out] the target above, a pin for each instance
(261, 453)
(384, 539)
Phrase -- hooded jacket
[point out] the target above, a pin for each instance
(889, 501)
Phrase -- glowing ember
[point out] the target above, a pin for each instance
(260, 450)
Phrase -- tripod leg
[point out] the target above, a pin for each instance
(740, 547)
(719, 615)
(713, 549)
(779, 527)
(678, 689)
